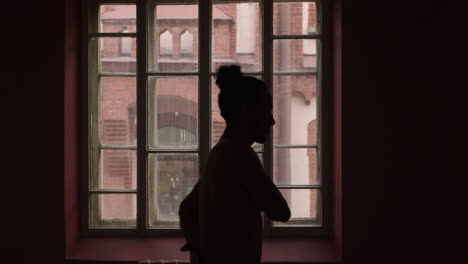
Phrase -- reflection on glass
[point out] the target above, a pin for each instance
(297, 166)
(117, 170)
(118, 111)
(173, 116)
(118, 210)
(294, 18)
(171, 178)
(236, 35)
(303, 205)
(117, 18)
(117, 55)
(175, 39)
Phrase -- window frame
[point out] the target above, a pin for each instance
(144, 36)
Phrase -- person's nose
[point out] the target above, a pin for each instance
(273, 122)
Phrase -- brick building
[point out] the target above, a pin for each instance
(173, 106)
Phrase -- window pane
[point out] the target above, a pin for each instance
(117, 18)
(217, 121)
(117, 55)
(236, 35)
(295, 110)
(117, 170)
(113, 210)
(294, 55)
(173, 115)
(175, 39)
(118, 111)
(303, 205)
(171, 178)
(296, 166)
(296, 18)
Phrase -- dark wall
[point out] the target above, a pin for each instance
(32, 110)
(404, 148)
(403, 135)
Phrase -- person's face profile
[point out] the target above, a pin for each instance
(260, 119)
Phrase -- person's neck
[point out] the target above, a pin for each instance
(233, 132)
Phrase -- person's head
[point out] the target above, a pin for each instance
(245, 102)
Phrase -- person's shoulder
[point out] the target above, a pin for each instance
(231, 147)
(228, 151)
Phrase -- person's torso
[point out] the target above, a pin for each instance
(230, 223)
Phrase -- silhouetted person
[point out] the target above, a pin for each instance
(221, 217)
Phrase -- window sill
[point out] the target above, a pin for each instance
(158, 250)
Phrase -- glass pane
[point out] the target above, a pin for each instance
(171, 178)
(294, 55)
(296, 166)
(217, 121)
(118, 111)
(303, 205)
(295, 110)
(117, 18)
(117, 170)
(296, 18)
(236, 36)
(113, 210)
(117, 55)
(173, 116)
(175, 39)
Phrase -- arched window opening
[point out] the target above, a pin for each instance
(165, 44)
(125, 44)
(186, 44)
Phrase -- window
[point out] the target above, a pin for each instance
(125, 44)
(153, 115)
(165, 43)
(186, 44)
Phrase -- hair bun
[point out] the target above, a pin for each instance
(228, 76)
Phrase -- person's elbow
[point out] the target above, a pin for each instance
(285, 215)
(280, 214)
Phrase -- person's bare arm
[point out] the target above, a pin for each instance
(265, 193)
